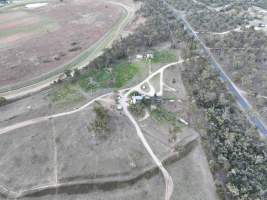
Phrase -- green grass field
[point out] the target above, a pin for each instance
(124, 73)
(116, 77)
(164, 56)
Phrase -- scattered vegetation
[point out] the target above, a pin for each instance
(160, 114)
(205, 17)
(111, 70)
(138, 110)
(213, 21)
(219, 3)
(238, 158)
(244, 56)
(101, 122)
(65, 93)
(96, 79)
(3, 101)
(114, 77)
(164, 56)
(237, 155)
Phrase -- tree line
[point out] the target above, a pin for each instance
(238, 157)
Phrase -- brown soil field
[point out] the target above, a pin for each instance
(19, 22)
(36, 41)
(5, 17)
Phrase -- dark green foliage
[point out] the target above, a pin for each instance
(101, 122)
(67, 72)
(239, 156)
(115, 77)
(206, 20)
(76, 75)
(217, 3)
(212, 16)
(138, 109)
(3, 101)
(245, 55)
(162, 115)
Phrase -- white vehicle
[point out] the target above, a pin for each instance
(183, 121)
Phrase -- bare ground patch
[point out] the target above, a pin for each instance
(26, 158)
(79, 24)
(83, 155)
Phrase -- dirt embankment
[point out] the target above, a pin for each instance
(183, 146)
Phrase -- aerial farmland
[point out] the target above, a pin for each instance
(133, 100)
(35, 40)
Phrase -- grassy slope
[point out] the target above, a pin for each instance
(65, 93)
(164, 56)
(105, 78)
(116, 77)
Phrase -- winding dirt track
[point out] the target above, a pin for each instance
(124, 93)
(167, 178)
(46, 118)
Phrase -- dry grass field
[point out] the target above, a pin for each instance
(85, 165)
(28, 156)
(39, 40)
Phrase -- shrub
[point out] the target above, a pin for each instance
(3, 101)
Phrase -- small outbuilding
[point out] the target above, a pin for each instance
(119, 107)
(139, 57)
(136, 99)
(149, 56)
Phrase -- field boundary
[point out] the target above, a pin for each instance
(79, 61)
(186, 146)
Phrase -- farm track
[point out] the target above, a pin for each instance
(81, 61)
(125, 93)
(149, 171)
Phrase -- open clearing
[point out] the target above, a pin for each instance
(84, 165)
(32, 43)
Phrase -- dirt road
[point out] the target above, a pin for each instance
(46, 118)
(124, 102)
(124, 93)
